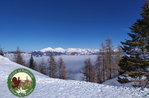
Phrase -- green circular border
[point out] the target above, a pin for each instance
(25, 71)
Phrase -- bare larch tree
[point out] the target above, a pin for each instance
(52, 66)
(103, 55)
(62, 69)
(42, 68)
(99, 73)
(109, 57)
(89, 71)
(18, 57)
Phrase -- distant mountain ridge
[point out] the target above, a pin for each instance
(61, 51)
(68, 51)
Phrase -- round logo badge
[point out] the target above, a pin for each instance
(21, 82)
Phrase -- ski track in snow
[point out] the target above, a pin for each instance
(56, 88)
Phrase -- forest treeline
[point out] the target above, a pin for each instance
(106, 66)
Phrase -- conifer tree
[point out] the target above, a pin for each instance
(1, 52)
(62, 69)
(32, 64)
(146, 84)
(52, 66)
(136, 49)
(89, 71)
(118, 55)
(18, 57)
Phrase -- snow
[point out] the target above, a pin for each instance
(56, 88)
(47, 49)
(70, 50)
(59, 49)
(53, 50)
(114, 82)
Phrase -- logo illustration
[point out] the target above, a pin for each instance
(21, 82)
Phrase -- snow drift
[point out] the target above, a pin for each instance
(56, 88)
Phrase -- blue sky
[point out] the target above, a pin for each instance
(37, 24)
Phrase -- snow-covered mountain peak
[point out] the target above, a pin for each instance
(47, 49)
(70, 50)
(59, 49)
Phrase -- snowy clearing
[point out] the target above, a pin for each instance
(55, 88)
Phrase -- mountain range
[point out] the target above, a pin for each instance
(62, 51)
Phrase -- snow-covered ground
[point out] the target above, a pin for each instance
(114, 82)
(55, 88)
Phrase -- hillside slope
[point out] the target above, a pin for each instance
(55, 88)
